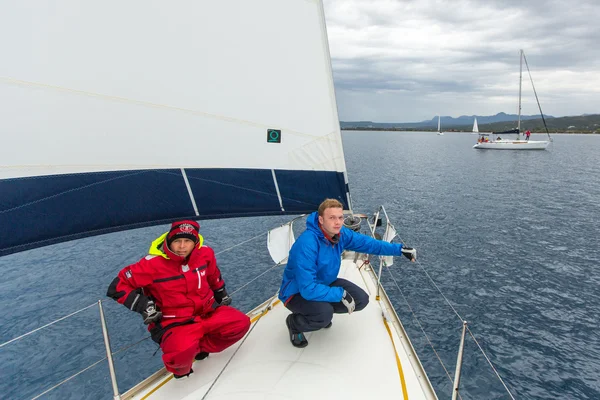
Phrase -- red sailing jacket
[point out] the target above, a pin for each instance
(182, 289)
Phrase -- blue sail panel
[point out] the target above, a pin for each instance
(50, 209)
(304, 192)
(223, 193)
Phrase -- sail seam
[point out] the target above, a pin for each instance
(189, 189)
(277, 189)
(19, 82)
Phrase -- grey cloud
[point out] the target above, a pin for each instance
(469, 50)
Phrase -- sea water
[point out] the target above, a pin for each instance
(510, 240)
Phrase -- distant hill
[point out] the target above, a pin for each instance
(447, 121)
(492, 123)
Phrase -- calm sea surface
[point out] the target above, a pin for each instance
(511, 238)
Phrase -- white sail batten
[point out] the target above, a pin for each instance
(114, 101)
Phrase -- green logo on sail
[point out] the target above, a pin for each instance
(273, 136)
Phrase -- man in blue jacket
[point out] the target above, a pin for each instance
(310, 286)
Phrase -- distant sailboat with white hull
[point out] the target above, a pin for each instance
(439, 131)
(496, 143)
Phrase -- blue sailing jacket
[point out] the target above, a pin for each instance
(314, 262)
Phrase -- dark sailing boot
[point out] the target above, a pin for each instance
(201, 356)
(297, 338)
(184, 375)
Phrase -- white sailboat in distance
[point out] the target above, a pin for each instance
(439, 131)
(475, 127)
(494, 141)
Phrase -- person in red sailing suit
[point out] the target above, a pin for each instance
(179, 291)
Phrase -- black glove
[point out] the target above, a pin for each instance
(151, 313)
(348, 301)
(409, 253)
(222, 297)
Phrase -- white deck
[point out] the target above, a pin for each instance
(354, 359)
(513, 145)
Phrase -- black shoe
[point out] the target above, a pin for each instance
(329, 325)
(201, 356)
(297, 338)
(184, 375)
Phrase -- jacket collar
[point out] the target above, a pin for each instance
(159, 248)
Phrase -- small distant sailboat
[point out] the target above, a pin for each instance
(475, 127)
(494, 142)
(439, 131)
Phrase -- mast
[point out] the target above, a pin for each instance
(520, 83)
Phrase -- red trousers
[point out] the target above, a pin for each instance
(212, 333)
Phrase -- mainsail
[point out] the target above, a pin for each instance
(114, 120)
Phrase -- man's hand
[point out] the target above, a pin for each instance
(409, 253)
(222, 297)
(151, 314)
(348, 301)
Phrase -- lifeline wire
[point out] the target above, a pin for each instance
(47, 325)
(461, 320)
(243, 340)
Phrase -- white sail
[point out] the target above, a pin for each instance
(439, 131)
(112, 110)
(475, 127)
(124, 114)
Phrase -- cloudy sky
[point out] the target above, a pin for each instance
(406, 61)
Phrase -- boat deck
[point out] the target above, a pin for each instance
(357, 358)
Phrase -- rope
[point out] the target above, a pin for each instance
(264, 311)
(131, 345)
(239, 244)
(47, 325)
(249, 282)
(68, 379)
(459, 317)
(419, 323)
(440, 291)
(536, 96)
(489, 362)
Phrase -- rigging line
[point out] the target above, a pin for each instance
(241, 243)
(439, 290)
(68, 379)
(47, 325)
(490, 362)
(436, 286)
(536, 96)
(470, 332)
(264, 311)
(247, 283)
(131, 345)
(149, 104)
(419, 323)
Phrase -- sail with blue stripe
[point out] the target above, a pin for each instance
(112, 129)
